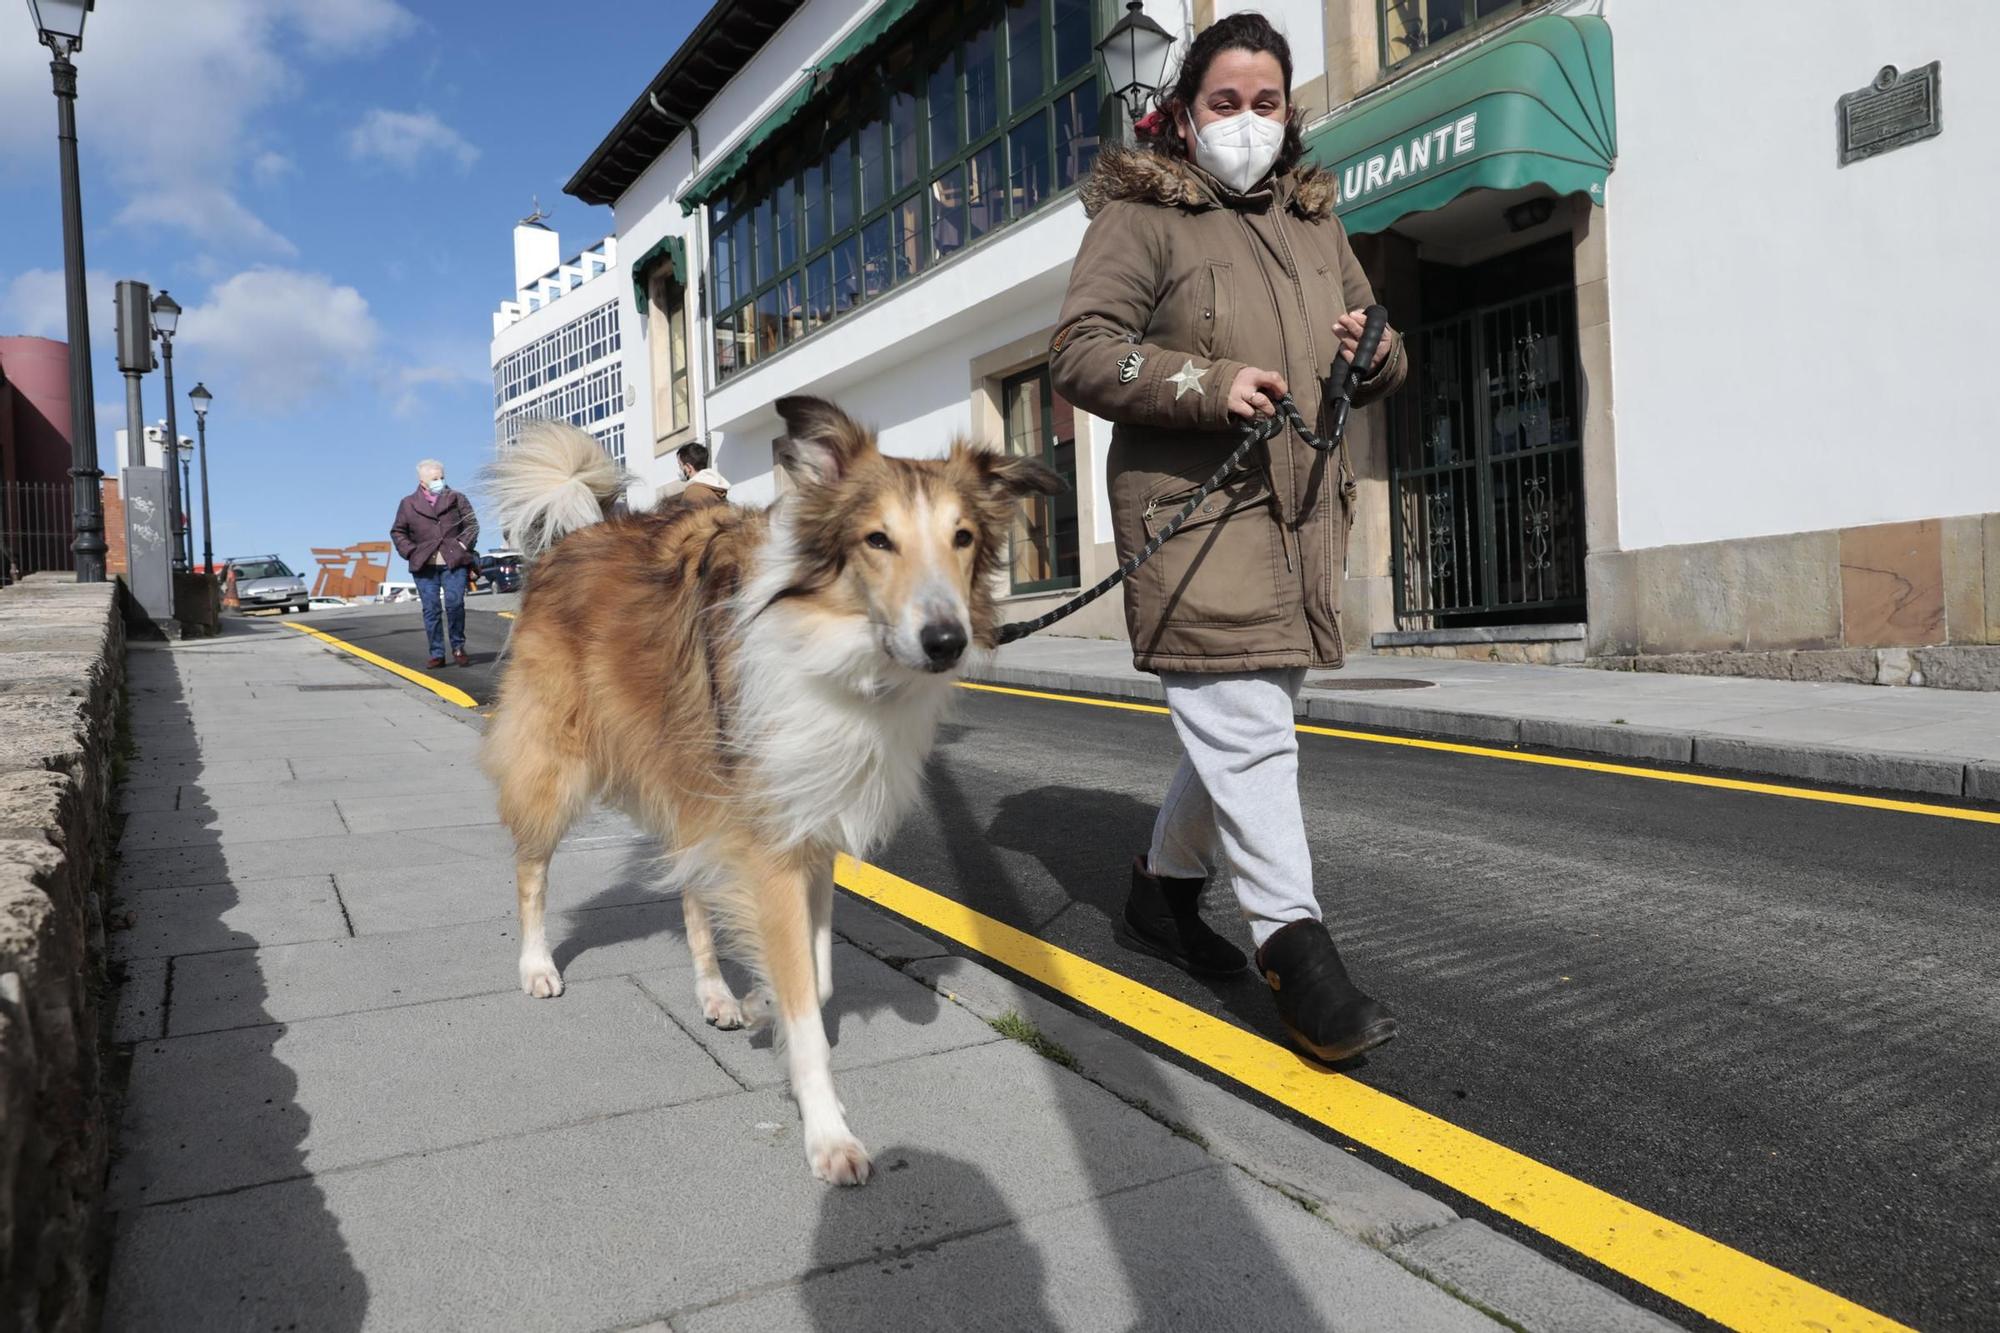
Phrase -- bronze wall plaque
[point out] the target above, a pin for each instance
(1896, 109)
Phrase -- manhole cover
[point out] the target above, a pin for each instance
(1367, 683)
(358, 685)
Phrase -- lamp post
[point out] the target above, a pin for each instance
(1134, 53)
(166, 316)
(60, 26)
(187, 504)
(201, 398)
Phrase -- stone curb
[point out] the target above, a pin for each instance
(1878, 770)
(1480, 1266)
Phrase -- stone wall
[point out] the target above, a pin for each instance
(62, 666)
(1896, 603)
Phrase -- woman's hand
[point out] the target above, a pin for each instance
(1255, 393)
(1348, 329)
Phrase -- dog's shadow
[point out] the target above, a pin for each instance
(633, 908)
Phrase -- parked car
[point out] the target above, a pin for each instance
(398, 592)
(500, 571)
(264, 582)
(328, 603)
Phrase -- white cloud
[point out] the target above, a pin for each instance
(350, 27)
(268, 168)
(202, 210)
(403, 139)
(36, 303)
(278, 337)
(227, 62)
(407, 383)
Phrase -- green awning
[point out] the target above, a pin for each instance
(667, 250)
(718, 174)
(1531, 106)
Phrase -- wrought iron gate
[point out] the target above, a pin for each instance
(35, 528)
(1486, 467)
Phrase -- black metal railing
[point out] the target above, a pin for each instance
(1486, 467)
(36, 528)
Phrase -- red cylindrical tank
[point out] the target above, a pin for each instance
(38, 370)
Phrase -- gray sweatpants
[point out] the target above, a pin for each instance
(1235, 799)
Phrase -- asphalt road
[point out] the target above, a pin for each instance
(1774, 1021)
(397, 633)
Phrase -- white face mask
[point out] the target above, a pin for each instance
(1239, 150)
(434, 485)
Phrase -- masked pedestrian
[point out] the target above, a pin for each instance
(436, 531)
(1213, 280)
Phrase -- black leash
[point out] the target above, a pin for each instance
(1256, 431)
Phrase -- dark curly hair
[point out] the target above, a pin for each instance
(1247, 31)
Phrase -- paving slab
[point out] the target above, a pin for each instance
(1255, 1261)
(461, 789)
(174, 772)
(142, 999)
(876, 1015)
(193, 824)
(226, 1110)
(149, 868)
(400, 898)
(204, 918)
(1517, 1284)
(289, 982)
(609, 1223)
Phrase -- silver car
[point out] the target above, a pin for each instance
(265, 582)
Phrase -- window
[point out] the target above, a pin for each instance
(581, 342)
(1042, 547)
(972, 122)
(1411, 27)
(666, 315)
(581, 402)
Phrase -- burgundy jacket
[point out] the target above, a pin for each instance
(422, 529)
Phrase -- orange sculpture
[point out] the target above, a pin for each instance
(349, 571)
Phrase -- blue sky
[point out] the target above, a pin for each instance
(328, 188)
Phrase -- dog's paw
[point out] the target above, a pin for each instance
(839, 1160)
(758, 1008)
(719, 1004)
(540, 979)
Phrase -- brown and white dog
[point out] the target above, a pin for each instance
(758, 688)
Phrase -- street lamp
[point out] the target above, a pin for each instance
(166, 316)
(60, 26)
(201, 398)
(187, 505)
(1134, 53)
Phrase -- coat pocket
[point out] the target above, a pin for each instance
(1222, 566)
(1217, 306)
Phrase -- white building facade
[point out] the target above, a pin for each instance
(558, 346)
(1677, 388)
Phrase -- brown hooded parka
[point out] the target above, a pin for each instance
(1180, 284)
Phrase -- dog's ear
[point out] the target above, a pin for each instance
(822, 444)
(1015, 475)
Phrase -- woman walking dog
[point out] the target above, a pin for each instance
(1213, 280)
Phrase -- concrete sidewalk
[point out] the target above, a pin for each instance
(1922, 740)
(342, 1112)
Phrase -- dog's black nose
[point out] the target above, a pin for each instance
(944, 643)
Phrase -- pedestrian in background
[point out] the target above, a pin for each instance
(699, 483)
(1214, 278)
(435, 530)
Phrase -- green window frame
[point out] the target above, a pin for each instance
(1418, 29)
(891, 186)
(1043, 544)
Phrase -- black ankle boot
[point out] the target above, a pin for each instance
(1327, 1014)
(1163, 918)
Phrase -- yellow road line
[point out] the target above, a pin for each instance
(448, 693)
(1727, 1285)
(504, 615)
(1556, 761)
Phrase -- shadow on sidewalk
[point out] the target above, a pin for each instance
(1086, 839)
(216, 1255)
(1006, 1286)
(999, 896)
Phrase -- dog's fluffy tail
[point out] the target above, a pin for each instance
(554, 480)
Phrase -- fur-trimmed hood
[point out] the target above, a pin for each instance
(1148, 176)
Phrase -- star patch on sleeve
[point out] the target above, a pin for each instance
(1188, 378)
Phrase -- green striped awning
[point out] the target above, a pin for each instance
(717, 175)
(1533, 105)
